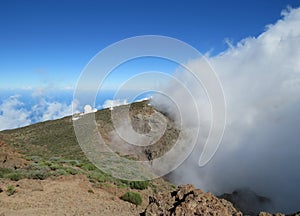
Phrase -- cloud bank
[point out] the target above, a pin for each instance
(113, 103)
(261, 145)
(15, 113)
(12, 115)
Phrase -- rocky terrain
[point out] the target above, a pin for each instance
(186, 200)
(76, 195)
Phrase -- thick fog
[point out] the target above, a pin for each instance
(260, 149)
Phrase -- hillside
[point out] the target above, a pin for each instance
(43, 171)
(57, 138)
(51, 149)
(40, 159)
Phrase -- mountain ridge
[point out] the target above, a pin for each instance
(37, 157)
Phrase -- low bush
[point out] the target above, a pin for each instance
(90, 191)
(132, 197)
(71, 162)
(55, 166)
(35, 159)
(139, 185)
(55, 159)
(88, 166)
(10, 189)
(15, 176)
(71, 171)
(97, 177)
(4, 171)
(38, 174)
(60, 172)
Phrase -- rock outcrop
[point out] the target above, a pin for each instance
(187, 200)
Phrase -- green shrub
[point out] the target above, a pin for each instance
(46, 163)
(71, 170)
(121, 184)
(88, 167)
(97, 177)
(55, 166)
(132, 197)
(55, 159)
(70, 162)
(38, 174)
(4, 171)
(60, 172)
(44, 166)
(15, 176)
(35, 159)
(73, 162)
(139, 185)
(10, 189)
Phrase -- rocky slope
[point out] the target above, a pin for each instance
(76, 195)
(187, 200)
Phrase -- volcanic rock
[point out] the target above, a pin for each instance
(186, 200)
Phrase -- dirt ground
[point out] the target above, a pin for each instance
(65, 195)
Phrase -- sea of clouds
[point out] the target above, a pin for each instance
(22, 108)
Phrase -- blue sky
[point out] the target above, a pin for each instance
(48, 43)
(44, 46)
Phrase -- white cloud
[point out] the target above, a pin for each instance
(89, 109)
(55, 110)
(143, 99)
(113, 103)
(12, 115)
(260, 149)
(68, 87)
